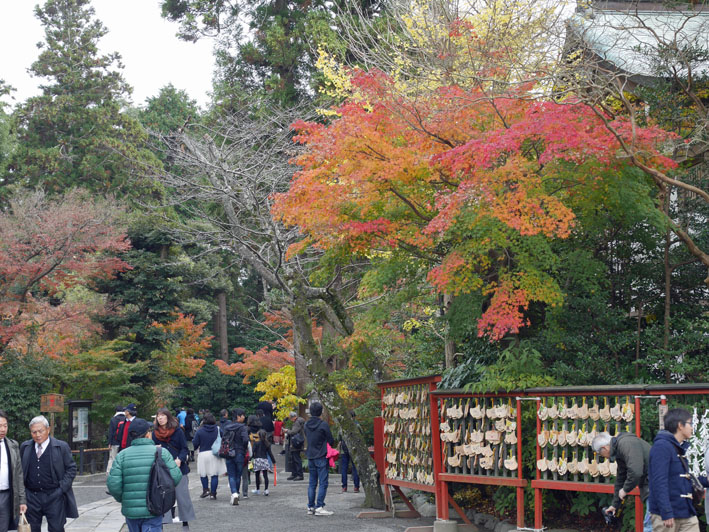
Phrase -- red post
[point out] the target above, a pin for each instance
(639, 510)
(538, 491)
(520, 490)
(441, 496)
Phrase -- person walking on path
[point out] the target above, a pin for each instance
(190, 426)
(12, 487)
(261, 448)
(670, 500)
(265, 412)
(224, 419)
(253, 425)
(209, 466)
(112, 437)
(123, 430)
(318, 434)
(130, 475)
(632, 454)
(345, 460)
(296, 442)
(236, 433)
(49, 472)
(167, 433)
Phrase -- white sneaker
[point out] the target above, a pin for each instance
(234, 499)
(256, 492)
(311, 511)
(265, 492)
(176, 520)
(322, 511)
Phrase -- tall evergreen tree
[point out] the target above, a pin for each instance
(275, 57)
(75, 133)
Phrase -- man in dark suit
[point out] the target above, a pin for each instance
(49, 471)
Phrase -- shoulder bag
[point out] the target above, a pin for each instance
(217, 443)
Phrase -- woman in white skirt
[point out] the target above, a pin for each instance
(208, 465)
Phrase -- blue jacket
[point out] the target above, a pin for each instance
(205, 438)
(670, 489)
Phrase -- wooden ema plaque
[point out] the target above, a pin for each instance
(51, 402)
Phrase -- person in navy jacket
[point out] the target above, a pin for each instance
(670, 501)
(169, 434)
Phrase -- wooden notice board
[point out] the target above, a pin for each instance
(51, 402)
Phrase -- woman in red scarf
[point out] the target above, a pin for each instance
(168, 433)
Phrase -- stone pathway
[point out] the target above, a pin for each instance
(103, 515)
(284, 509)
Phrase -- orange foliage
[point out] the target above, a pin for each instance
(461, 177)
(279, 353)
(186, 346)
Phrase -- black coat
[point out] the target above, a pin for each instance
(63, 470)
(113, 427)
(177, 445)
(318, 434)
(241, 440)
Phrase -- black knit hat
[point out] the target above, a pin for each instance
(138, 427)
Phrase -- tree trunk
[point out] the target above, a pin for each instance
(448, 343)
(637, 339)
(668, 280)
(305, 344)
(221, 327)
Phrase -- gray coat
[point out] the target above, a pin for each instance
(17, 483)
(632, 455)
(297, 427)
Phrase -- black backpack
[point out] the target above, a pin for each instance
(297, 441)
(160, 496)
(228, 446)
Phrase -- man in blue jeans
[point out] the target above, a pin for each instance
(237, 433)
(318, 434)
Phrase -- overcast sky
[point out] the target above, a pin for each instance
(151, 54)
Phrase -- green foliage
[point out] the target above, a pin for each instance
(103, 375)
(168, 111)
(213, 390)
(584, 503)
(505, 500)
(26, 377)
(75, 132)
(519, 366)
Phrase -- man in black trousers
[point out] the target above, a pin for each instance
(49, 471)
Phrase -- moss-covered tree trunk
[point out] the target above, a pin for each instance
(319, 373)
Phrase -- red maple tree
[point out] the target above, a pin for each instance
(48, 249)
(476, 185)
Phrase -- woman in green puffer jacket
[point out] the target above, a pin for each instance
(130, 474)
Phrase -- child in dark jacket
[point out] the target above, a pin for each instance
(262, 452)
